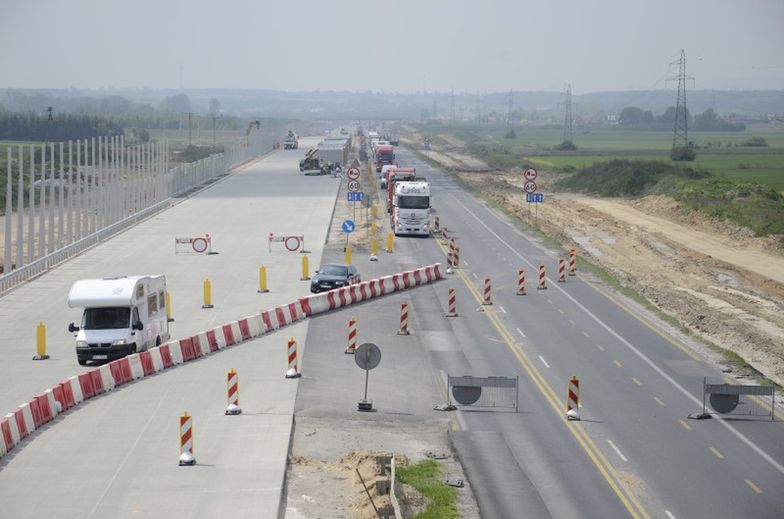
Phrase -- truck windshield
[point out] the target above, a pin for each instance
(106, 318)
(413, 202)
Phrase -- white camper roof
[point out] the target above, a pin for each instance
(119, 291)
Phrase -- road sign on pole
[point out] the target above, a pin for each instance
(530, 174)
(352, 174)
(536, 198)
(367, 356)
(353, 185)
(355, 196)
(348, 226)
(529, 186)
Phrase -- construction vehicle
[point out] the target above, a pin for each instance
(291, 142)
(311, 164)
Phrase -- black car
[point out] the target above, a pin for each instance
(334, 275)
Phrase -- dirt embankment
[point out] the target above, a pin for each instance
(715, 277)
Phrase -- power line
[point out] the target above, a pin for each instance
(568, 114)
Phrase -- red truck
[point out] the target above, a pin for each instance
(396, 175)
(384, 154)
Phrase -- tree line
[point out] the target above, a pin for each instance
(708, 121)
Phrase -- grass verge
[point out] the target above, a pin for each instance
(426, 477)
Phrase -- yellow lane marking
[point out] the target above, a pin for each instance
(626, 497)
(617, 363)
(685, 425)
(658, 401)
(572, 322)
(586, 334)
(636, 381)
(754, 487)
(716, 452)
(600, 347)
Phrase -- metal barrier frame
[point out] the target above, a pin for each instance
(493, 382)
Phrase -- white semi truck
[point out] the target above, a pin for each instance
(122, 315)
(411, 208)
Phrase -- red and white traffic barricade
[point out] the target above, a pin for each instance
(233, 393)
(186, 440)
(572, 262)
(542, 278)
(452, 303)
(403, 319)
(487, 299)
(561, 270)
(193, 245)
(352, 336)
(291, 356)
(290, 242)
(521, 281)
(573, 399)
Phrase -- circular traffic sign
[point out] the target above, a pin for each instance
(529, 187)
(353, 185)
(293, 240)
(202, 245)
(348, 226)
(530, 174)
(367, 355)
(352, 173)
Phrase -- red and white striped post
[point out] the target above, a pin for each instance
(561, 270)
(452, 303)
(573, 399)
(233, 390)
(445, 234)
(521, 281)
(403, 319)
(456, 258)
(487, 292)
(452, 248)
(352, 336)
(572, 262)
(542, 281)
(186, 440)
(436, 225)
(293, 371)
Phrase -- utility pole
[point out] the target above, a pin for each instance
(680, 134)
(452, 106)
(509, 111)
(189, 129)
(478, 111)
(568, 114)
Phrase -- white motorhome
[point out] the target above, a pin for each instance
(122, 315)
(411, 208)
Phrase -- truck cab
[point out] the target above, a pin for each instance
(384, 155)
(411, 208)
(122, 315)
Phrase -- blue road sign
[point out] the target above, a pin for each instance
(536, 198)
(348, 226)
(355, 196)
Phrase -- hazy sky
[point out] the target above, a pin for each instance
(394, 45)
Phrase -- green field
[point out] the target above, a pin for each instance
(719, 152)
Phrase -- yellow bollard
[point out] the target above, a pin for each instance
(373, 228)
(40, 342)
(305, 269)
(207, 294)
(390, 239)
(374, 211)
(262, 280)
(374, 247)
(169, 318)
(348, 255)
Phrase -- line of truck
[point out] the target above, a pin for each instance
(408, 197)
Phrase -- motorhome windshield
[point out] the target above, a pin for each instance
(413, 202)
(106, 318)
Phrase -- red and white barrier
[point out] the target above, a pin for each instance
(487, 292)
(572, 263)
(573, 399)
(521, 281)
(561, 270)
(233, 393)
(45, 407)
(186, 440)
(452, 303)
(542, 278)
(403, 319)
(293, 366)
(352, 336)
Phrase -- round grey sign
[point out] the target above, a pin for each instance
(367, 355)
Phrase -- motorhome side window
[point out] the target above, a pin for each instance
(135, 317)
(161, 299)
(152, 305)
